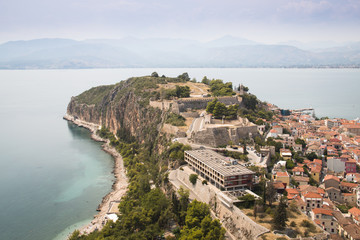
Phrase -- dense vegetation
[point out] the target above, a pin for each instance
(140, 217)
(219, 88)
(178, 91)
(254, 110)
(219, 110)
(175, 120)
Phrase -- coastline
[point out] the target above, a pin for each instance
(119, 187)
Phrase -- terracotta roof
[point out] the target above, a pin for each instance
(322, 211)
(348, 184)
(278, 185)
(282, 174)
(316, 169)
(328, 177)
(354, 211)
(301, 179)
(312, 195)
(298, 169)
(292, 191)
(335, 140)
(348, 194)
(318, 161)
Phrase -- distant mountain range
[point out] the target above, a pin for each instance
(161, 52)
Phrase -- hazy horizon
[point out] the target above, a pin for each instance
(269, 22)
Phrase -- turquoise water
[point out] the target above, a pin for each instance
(53, 176)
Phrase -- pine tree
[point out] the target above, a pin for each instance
(280, 216)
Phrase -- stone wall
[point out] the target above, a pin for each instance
(233, 219)
(201, 103)
(222, 135)
(185, 104)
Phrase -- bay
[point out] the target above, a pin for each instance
(53, 176)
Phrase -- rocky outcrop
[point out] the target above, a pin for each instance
(119, 109)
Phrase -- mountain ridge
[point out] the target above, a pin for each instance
(227, 51)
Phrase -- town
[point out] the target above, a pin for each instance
(260, 162)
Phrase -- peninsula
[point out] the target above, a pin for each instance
(210, 160)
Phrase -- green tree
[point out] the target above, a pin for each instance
(232, 111)
(248, 200)
(211, 105)
(290, 164)
(205, 80)
(155, 74)
(270, 192)
(220, 110)
(196, 212)
(193, 178)
(219, 88)
(311, 156)
(250, 101)
(182, 91)
(185, 77)
(301, 141)
(280, 215)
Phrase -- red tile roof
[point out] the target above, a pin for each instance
(298, 169)
(312, 195)
(348, 184)
(328, 177)
(282, 174)
(355, 212)
(322, 211)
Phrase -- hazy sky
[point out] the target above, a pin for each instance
(266, 21)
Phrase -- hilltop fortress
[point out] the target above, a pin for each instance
(204, 129)
(192, 103)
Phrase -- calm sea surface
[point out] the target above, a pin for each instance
(53, 176)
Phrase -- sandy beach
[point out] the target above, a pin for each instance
(120, 185)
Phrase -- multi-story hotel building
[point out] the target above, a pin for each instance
(223, 172)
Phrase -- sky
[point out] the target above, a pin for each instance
(266, 21)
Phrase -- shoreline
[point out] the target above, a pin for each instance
(119, 186)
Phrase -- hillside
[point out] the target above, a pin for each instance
(123, 111)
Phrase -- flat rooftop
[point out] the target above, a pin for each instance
(219, 163)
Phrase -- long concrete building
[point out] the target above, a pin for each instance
(223, 172)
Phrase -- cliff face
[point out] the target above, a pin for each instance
(118, 107)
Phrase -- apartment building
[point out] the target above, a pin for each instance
(223, 172)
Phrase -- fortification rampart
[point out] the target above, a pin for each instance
(201, 103)
(185, 104)
(218, 136)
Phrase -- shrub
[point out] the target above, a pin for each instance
(193, 178)
(175, 120)
(292, 224)
(204, 182)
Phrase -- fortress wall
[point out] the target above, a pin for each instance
(211, 136)
(162, 105)
(223, 135)
(201, 103)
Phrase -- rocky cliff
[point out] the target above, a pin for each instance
(123, 108)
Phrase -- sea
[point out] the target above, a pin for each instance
(53, 176)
